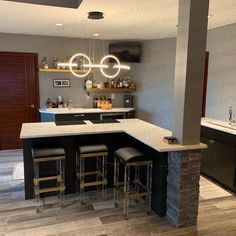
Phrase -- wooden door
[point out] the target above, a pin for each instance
(19, 95)
(205, 85)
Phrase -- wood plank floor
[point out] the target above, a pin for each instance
(217, 212)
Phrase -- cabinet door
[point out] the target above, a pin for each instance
(45, 117)
(77, 116)
(219, 162)
(224, 164)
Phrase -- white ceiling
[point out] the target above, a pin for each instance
(124, 19)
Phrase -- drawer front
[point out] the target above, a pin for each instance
(77, 116)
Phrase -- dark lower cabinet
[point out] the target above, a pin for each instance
(78, 116)
(219, 160)
(46, 117)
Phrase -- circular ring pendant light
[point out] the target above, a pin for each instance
(118, 66)
(71, 64)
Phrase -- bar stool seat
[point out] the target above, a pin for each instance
(41, 155)
(100, 152)
(47, 152)
(92, 149)
(131, 157)
(129, 154)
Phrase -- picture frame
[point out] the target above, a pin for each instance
(59, 83)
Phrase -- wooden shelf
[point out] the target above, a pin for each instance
(109, 90)
(62, 70)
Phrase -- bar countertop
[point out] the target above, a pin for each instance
(145, 132)
(56, 111)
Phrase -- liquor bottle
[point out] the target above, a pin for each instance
(60, 102)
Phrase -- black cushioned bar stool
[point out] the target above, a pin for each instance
(134, 186)
(42, 155)
(100, 152)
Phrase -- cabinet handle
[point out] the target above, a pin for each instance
(211, 141)
(81, 115)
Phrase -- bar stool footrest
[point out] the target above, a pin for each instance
(96, 183)
(38, 191)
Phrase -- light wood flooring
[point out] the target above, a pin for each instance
(217, 212)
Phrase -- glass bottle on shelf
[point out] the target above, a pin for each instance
(44, 63)
(55, 62)
(70, 104)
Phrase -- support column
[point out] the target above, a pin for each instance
(189, 70)
(183, 187)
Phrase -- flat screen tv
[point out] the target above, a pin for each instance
(126, 52)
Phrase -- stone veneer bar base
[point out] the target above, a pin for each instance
(183, 187)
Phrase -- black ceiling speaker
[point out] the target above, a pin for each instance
(54, 3)
(95, 15)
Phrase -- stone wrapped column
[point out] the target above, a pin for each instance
(183, 187)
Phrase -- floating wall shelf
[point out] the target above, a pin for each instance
(62, 71)
(109, 90)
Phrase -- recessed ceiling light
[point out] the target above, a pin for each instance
(96, 34)
(210, 15)
(59, 24)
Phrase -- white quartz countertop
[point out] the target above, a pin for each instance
(147, 133)
(82, 110)
(219, 125)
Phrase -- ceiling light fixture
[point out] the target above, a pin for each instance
(118, 68)
(95, 15)
(95, 66)
(125, 67)
(95, 34)
(59, 24)
(67, 64)
(71, 63)
(89, 66)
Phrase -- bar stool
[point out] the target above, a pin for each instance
(133, 186)
(42, 155)
(100, 152)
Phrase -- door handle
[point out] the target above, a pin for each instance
(32, 106)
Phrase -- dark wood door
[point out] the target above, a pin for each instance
(19, 95)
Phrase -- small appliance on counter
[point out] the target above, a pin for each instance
(128, 101)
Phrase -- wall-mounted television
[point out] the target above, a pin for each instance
(126, 52)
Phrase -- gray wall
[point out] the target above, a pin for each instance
(154, 77)
(58, 47)
(221, 92)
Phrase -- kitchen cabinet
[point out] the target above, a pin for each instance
(219, 160)
(78, 116)
(52, 117)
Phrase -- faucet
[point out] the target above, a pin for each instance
(231, 120)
